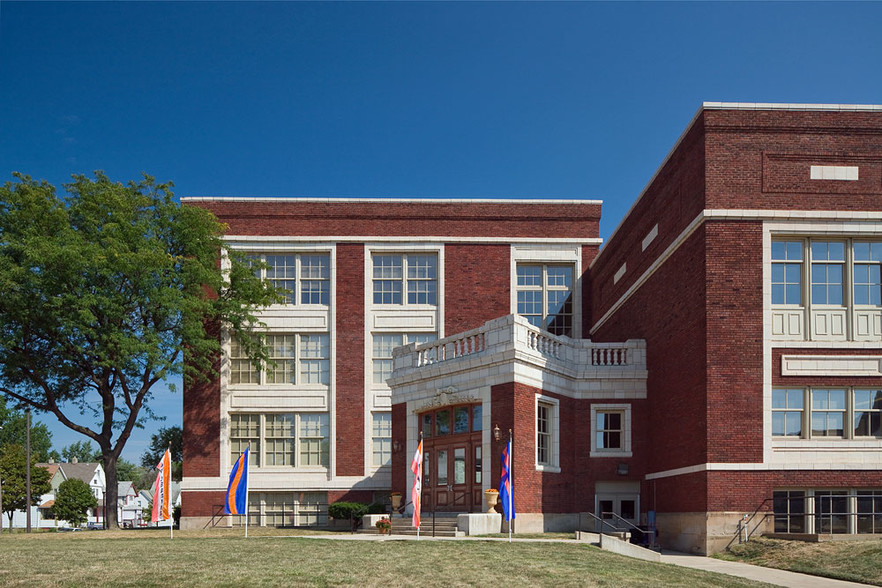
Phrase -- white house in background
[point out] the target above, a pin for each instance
(41, 515)
(130, 505)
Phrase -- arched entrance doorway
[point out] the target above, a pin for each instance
(452, 458)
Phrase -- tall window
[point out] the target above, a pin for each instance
(245, 430)
(787, 272)
(281, 439)
(867, 278)
(410, 279)
(381, 439)
(304, 277)
(296, 359)
(543, 433)
(845, 413)
(383, 344)
(545, 296)
(789, 507)
(828, 261)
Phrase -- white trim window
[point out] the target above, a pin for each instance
(611, 430)
(547, 439)
(296, 359)
(405, 279)
(838, 413)
(832, 285)
(306, 277)
(545, 296)
(299, 440)
(381, 439)
(383, 344)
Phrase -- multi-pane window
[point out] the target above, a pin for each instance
(281, 439)
(288, 509)
(609, 428)
(543, 433)
(383, 344)
(787, 272)
(313, 439)
(381, 439)
(405, 279)
(869, 511)
(545, 296)
(789, 508)
(867, 275)
(245, 430)
(831, 286)
(787, 411)
(868, 413)
(835, 412)
(305, 278)
(452, 420)
(828, 262)
(242, 371)
(295, 359)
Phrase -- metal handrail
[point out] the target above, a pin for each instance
(600, 520)
(745, 523)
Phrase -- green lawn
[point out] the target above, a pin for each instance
(856, 561)
(225, 558)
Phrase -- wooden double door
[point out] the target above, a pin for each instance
(453, 460)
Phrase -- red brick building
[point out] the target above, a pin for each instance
(722, 353)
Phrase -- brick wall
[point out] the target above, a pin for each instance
(350, 441)
(477, 282)
(201, 504)
(408, 218)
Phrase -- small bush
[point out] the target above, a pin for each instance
(343, 510)
(377, 508)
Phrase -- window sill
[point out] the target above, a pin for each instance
(610, 453)
(550, 469)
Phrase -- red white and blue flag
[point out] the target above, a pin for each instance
(162, 490)
(505, 491)
(237, 490)
(416, 466)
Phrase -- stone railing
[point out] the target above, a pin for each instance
(513, 334)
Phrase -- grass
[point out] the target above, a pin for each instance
(266, 558)
(856, 561)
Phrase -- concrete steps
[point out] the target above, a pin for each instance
(444, 526)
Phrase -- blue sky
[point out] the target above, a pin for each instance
(422, 99)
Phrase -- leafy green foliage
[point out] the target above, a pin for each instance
(15, 431)
(108, 291)
(165, 438)
(82, 451)
(73, 502)
(13, 472)
(343, 510)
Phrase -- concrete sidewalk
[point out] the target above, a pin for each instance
(751, 572)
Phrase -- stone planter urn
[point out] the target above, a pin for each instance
(396, 500)
(491, 497)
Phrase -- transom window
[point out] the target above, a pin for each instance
(281, 439)
(834, 412)
(545, 296)
(304, 277)
(410, 279)
(383, 344)
(451, 420)
(296, 359)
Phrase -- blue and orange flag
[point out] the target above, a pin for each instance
(237, 491)
(505, 492)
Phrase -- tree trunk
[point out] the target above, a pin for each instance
(110, 495)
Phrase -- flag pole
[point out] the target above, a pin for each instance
(171, 527)
(245, 467)
(420, 474)
(510, 478)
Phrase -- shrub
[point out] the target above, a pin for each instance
(343, 510)
(377, 508)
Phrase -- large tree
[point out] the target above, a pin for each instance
(106, 292)
(82, 451)
(13, 472)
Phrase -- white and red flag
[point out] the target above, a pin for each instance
(162, 490)
(416, 466)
